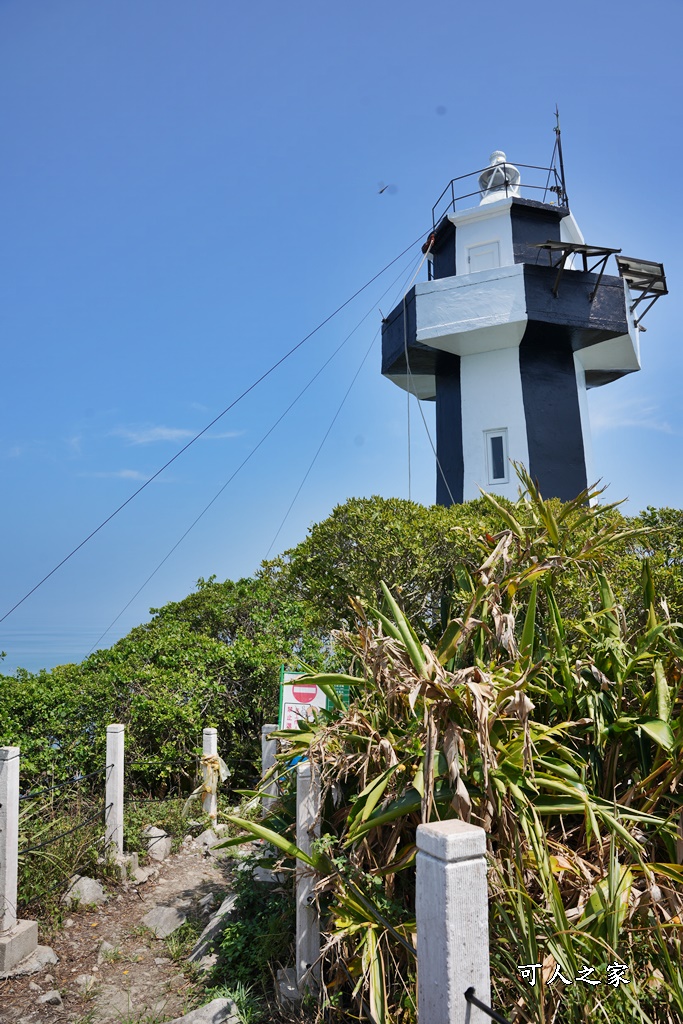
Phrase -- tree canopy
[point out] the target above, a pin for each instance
(213, 658)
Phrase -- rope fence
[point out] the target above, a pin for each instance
(488, 1010)
(18, 938)
(62, 835)
(77, 779)
(161, 763)
(131, 801)
(77, 809)
(63, 884)
(451, 900)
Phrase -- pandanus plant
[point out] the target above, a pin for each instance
(559, 734)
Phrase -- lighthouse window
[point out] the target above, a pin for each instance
(496, 456)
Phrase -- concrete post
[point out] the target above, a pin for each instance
(268, 756)
(18, 939)
(9, 836)
(210, 749)
(307, 922)
(451, 904)
(113, 797)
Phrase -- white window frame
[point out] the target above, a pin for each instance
(488, 435)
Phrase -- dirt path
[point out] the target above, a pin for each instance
(136, 981)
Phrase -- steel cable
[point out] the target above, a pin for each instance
(239, 468)
(62, 835)
(61, 785)
(215, 420)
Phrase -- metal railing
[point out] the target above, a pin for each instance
(554, 183)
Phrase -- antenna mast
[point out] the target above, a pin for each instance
(562, 190)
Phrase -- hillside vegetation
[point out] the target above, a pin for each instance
(547, 710)
(515, 664)
(214, 657)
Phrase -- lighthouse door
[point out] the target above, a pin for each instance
(485, 256)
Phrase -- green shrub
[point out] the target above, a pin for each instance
(259, 937)
(545, 715)
(166, 814)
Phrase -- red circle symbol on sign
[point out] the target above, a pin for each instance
(304, 693)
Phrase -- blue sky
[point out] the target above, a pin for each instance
(188, 189)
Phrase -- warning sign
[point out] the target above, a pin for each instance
(302, 699)
(298, 700)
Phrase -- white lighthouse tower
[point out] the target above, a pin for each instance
(518, 319)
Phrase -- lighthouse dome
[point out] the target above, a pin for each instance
(499, 180)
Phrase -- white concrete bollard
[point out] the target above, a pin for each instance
(9, 836)
(307, 921)
(451, 905)
(113, 798)
(268, 757)
(18, 939)
(210, 749)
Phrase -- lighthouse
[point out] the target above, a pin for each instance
(518, 319)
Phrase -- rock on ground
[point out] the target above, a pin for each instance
(103, 951)
(213, 929)
(207, 963)
(218, 1011)
(207, 841)
(268, 876)
(85, 982)
(39, 958)
(207, 902)
(163, 921)
(286, 989)
(158, 843)
(84, 890)
(207, 838)
(52, 998)
(142, 875)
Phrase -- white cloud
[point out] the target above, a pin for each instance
(149, 435)
(119, 474)
(75, 445)
(608, 413)
(18, 449)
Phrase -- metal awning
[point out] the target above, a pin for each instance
(560, 252)
(645, 277)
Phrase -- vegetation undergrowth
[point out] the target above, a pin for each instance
(58, 838)
(166, 814)
(214, 657)
(250, 1005)
(180, 943)
(546, 712)
(258, 938)
(61, 836)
